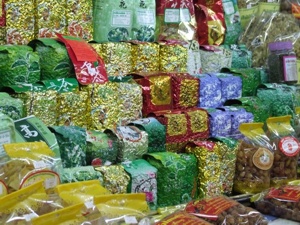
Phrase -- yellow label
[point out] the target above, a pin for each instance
(160, 90)
(280, 124)
(252, 130)
(267, 7)
(246, 15)
(263, 158)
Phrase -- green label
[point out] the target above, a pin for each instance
(247, 14)
(61, 85)
(268, 7)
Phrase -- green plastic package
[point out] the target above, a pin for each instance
(7, 134)
(12, 107)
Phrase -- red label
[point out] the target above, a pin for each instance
(291, 193)
(289, 146)
(206, 144)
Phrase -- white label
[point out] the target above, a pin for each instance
(121, 18)
(30, 216)
(249, 6)
(145, 16)
(228, 7)
(185, 15)
(39, 164)
(50, 182)
(130, 219)
(290, 68)
(4, 139)
(172, 16)
(89, 204)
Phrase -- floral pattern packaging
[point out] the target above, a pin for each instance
(20, 22)
(176, 177)
(254, 161)
(185, 90)
(175, 20)
(156, 91)
(219, 123)
(12, 107)
(142, 180)
(198, 123)
(287, 147)
(210, 22)
(79, 19)
(50, 18)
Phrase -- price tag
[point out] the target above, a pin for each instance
(39, 164)
(130, 219)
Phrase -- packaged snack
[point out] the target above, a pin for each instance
(283, 137)
(254, 161)
(183, 218)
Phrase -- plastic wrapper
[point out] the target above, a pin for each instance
(176, 177)
(29, 163)
(118, 208)
(19, 64)
(133, 143)
(185, 90)
(182, 217)
(80, 192)
(23, 205)
(145, 56)
(281, 202)
(115, 178)
(223, 210)
(50, 18)
(210, 94)
(156, 133)
(117, 57)
(294, 38)
(176, 21)
(255, 158)
(214, 58)
(54, 59)
(72, 145)
(219, 123)
(82, 173)
(7, 134)
(101, 145)
(142, 180)
(253, 104)
(283, 137)
(241, 56)
(210, 22)
(156, 91)
(265, 29)
(251, 79)
(173, 56)
(79, 19)
(12, 107)
(20, 22)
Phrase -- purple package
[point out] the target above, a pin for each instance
(238, 116)
(210, 91)
(231, 86)
(220, 123)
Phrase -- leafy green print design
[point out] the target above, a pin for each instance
(32, 68)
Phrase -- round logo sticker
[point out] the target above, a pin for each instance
(289, 146)
(263, 158)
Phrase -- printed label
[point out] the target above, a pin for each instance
(268, 7)
(145, 16)
(228, 7)
(121, 18)
(289, 146)
(89, 204)
(246, 15)
(3, 189)
(50, 178)
(290, 68)
(130, 220)
(4, 139)
(185, 15)
(172, 16)
(30, 216)
(39, 164)
(263, 158)
(291, 193)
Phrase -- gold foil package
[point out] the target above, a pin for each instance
(117, 57)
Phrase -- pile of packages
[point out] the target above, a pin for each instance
(149, 112)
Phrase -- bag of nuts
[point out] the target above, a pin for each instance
(283, 137)
(223, 210)
(254, 160)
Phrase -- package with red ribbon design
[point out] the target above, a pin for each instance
(89, 66)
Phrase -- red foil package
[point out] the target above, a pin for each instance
(198, 123)
(89, 66)
(156, 91)
(210, 22)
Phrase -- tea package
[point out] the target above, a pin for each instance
(82, 173)
(12, 107)
(182, 217)
(219, 123)
(7, 134)
(241, 56)
(254, 162)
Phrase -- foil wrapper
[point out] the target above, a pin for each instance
(156, 133)
(117, 57)
(12, 107)
(50, 18)
(79, 19)
(73, 108)
(20, 21)
(143, 180)
(133, 143)
(176, 147)
(219, 123)
(176, 177)
(115, 178)
(156, 91)
(209, 162)
(173, 57)
(185, 90)
(145, 57)
(198, 123)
